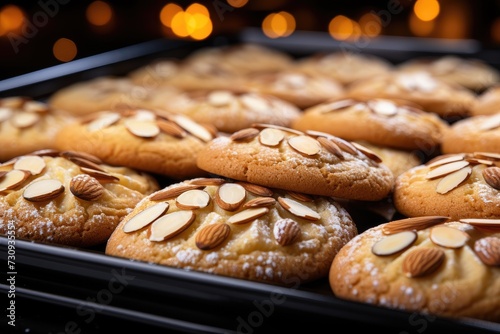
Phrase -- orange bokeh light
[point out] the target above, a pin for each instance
(495, 30)
(11, 19)
(194, 22)
(426, 10)
(237, 3)
(280, 24)
(341, 27)
(99, 13)
(64, 49)
(168, 12)
(370, 24)
(421, 28)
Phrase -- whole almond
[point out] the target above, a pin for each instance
(492, 176)
(286, 231)
(422, 261)
(212, 235)
(86, 187)
(245, 134)
(488, 250)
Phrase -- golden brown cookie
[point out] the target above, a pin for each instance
(470, 73)
(424, 264)
(68, 198)
(378, 121)
(314, 163)
(476, 133)
(28, 125)
(431, 94)
(228, 111)
(488, 102)
(165, 144)
(344, 67)
(455, 185)
(299, 88)
(235, 229)
(157, 72)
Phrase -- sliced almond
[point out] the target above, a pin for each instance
(487, 155)
(259, 202)
(170, 225)
(279, 127)
(192, 199)
(247, 215)
(35, 106)
(394, 243)
(300, 196)
(255, 102)
(230, 196)
(220, 98)
(5, 113)
(13, 179)
(245, 134)
(24, 119)
(43, 190)
(208, 181)
(31, 163)
(143, 129)
(212, 235)
(103, 121)
(82, 155)
(344, 145)
(484, 224)
(143, 115)
(86, 187)
(492, 177)
(489, 123)
(46, 153)
(170, 193)
(476, 161)
(337, 105)
(193, 128)
(444, 159)
(366, 151)
(453, 180)
(145, 217)
(271, 137)
(305, 145)
(15, 102)
(448, 237)
(286, 231)
(488, 250)
(171, 128)
(423, 261)
(446, 169)
(331, 146)
(256, 189)
(101, 176)
(298, 209)
(2, 173)
(413, 224)
(83, 162)
(383, 107)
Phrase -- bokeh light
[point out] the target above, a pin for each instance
(64, 49)
(194, 22)
(99, 13)
(11, 19)
(168, 12)
(495, 30)
(341, 27)
(426, 10)
(237, 3)
(370, 24)
(421, 28)
(280, 24)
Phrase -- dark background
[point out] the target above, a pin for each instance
(138, 21)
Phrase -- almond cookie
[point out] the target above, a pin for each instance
(455, 185)
(301, 89)
(428, 264)
(378, 121)
(228, 111)
(344, 67)
(309, 162)
(157, 72)
(476, 133)
(488, 102)
(470, 73)
(235, 229)
(431, 94)
(165, 144)
(28, 125)
(68, 198)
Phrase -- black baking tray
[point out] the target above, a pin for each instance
(65, 289)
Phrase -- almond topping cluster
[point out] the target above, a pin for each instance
(308, 143)
(402, 234)
(232, 197)
(148, 124)
(381, 107)
(22, 112)
(86, 186)
(453, 169)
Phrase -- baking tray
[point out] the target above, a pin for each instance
(66, 289)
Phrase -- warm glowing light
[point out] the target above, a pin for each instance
(64, 49)
(11, 19)
(280, 24)
(197, 8)
(203, 28)
(181, 25)
(370, 24)
(99, 13)
(426, 10)
(237, 3)
(168, 12)
(341, 27)
(495, 30)
(421, 28)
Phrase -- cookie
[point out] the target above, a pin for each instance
(28, 125)
(476, 133)
(235, 229)
(455, 185)
(301, 89)
(429, 264)
(488, 102)
(314, 162)
(430, 94)
(228, 111)
(157, 72)
(66, 197)
(378, 121)
(470, 73)
(165, 144)
(344, 67)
